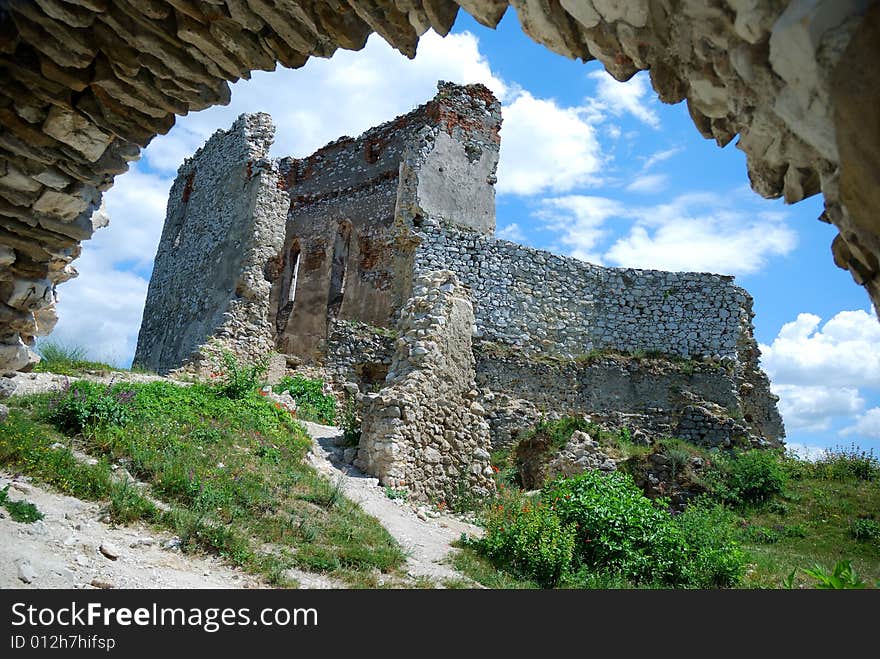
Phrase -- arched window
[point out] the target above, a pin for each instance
(338, 269)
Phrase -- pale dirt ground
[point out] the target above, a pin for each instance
(63, 550)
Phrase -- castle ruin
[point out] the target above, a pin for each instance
(376, 258)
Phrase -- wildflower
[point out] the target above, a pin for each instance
(495, 469)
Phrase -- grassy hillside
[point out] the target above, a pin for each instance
(763, 520)
(224, 468)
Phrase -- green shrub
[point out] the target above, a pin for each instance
(746, 478)
(128, 505)
(529, 540)
(619, 528)
(312, 404)
(713, 558)
(846, 463)
(20, 511)
(86, 404)
(865, 529)
(65, 359)
(350, 423)
(237, 380)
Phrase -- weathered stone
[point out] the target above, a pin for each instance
(109, 550)
(77, 131)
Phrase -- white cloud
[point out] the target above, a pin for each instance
(867, 425)
(845, 352)
(694, 232)
(649, 184)
(634, 97)
(545, 147)
(701, 232)
(659, 157)
(579, 219)
(328, 98)
(511, 232)
(101, 309)
(812, 408)
(101, 313)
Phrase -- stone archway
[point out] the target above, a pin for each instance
(88, 83)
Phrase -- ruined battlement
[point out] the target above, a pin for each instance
(303, 256)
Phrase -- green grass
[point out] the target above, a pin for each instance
(821, 511)
(67, 360)
(792, 519)
(312, 404)
(20, 511)
(231, 469)
(471, 564)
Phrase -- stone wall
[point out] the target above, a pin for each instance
(695, 400)
(542, 303)
(425, 431)
(224, 224)
(359, 353)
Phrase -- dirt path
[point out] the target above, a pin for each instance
(425, 537)
(63, 550)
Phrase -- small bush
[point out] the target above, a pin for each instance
(529, 540)
(65, 359)
(85, 404)
(237, 380)
(20, 511)
(312, 404)
(350, 423)
(713, 558)
(269, 454)
(393, 493)
(865, 530)
(128, 505)
(746, 478)
(843, 576)
(618, 527)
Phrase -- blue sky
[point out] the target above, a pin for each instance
(590, 167)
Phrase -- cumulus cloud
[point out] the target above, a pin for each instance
(101, 309)
(696, 232)
(812, 408)
(867, 425)
(844, 352)
(546, 147)
(327, 98)
(634, 97)
(823, 373)
(579, 220)
(659, 157)
(101, 313)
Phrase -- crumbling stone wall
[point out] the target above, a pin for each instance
(88, 84)
(359, 353)
(699, 401)
(425, 431)
(224, 224)
(348, 238)
(543, 303)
